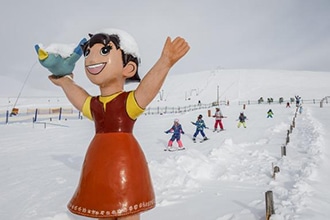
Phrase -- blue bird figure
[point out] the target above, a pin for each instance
(58, 65)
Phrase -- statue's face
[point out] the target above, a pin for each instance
(103, 63)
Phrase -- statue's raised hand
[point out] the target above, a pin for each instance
(174, 50)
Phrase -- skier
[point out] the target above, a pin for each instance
(115, 181)
(218, 119)
(241, 120)
(270, 114)
(298, 100)
(200, 125)
(177, 130)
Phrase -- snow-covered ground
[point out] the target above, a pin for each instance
(224, 178)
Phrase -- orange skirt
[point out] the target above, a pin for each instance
(115, 179)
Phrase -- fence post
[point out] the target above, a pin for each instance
(283, 150)
(269, 204)
(287, 140)
(7, 117)
(35, 115)
(60, 114)
(276, 169)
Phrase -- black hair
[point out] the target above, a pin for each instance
(105, 39)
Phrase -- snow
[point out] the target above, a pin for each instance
(65, 50)
(224, 178)
(127, 42)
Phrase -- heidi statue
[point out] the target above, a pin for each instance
(115, 182)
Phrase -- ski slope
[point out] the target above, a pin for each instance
(224, 178)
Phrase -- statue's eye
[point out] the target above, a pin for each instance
(105, 50)
(87, 51)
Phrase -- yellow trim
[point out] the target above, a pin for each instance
(132, 107)
(106, 99)
(86, 110)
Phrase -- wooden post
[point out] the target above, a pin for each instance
(60, 114)
(269, 204)
(276, 169)
(283, 150)
(7, 117)
(209, 113)
(287, 139)
(35, 115)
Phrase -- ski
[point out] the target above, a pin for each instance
(174, 149)
(204, 140)
(218, 130)
(201, 141)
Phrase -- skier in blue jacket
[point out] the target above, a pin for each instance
(200, 125)
(241, 120)
(177, 130)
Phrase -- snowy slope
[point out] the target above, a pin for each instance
(224, 178)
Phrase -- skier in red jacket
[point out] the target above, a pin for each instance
(218, 120)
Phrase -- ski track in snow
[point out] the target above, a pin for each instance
(292, 188)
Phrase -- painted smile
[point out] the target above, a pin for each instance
(95, 69)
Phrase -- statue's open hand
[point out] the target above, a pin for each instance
(174, 50)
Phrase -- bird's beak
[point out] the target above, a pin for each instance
(42, 54)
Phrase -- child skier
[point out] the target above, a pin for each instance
(241, 120)
(176, 129)
(270, 113)
(218, 119)
(298, 100)
(200, 125)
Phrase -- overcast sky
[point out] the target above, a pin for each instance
(231, 34)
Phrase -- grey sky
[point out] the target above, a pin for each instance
(231, 34)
